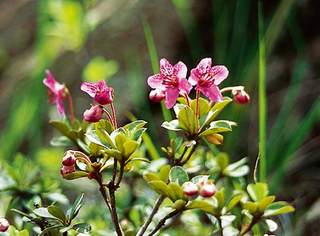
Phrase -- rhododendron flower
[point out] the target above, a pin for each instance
(240, 96)
(190, 189)
(69, 159)
(67, 170)
(57, 92)
(171, 80)
(94, 114)
(101, 93)
(207, 78)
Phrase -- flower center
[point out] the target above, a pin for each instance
(206, 80)
(170, 81)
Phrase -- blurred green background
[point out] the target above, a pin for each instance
(114, 40)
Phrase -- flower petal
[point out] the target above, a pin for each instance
(60, 106)
(212, 92)
(89, 88)
(166, 68)
(204, 65)
(171, 97)
(155, 81)
(49, 81)
(194, 77)
(180, 70)
(185, 86)
(220, 73)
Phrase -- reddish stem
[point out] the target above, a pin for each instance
(187, 99)
(114, 115)
(109, 117)
(70, 106)
(197, 104)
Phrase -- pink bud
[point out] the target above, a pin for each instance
(4, 225)
(207, 190)
(67, 170)
(241, 97)
(94, 114)
(190, 189)
(69, 159)
(156, 95)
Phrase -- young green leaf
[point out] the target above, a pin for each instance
(178, 174)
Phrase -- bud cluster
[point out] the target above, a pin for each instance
(204, 187)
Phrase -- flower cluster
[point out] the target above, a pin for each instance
(204, 187)
(171, 82)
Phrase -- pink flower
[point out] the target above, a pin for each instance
(57, 91)
(67, 170)
(4, 224)
(94, 114)
(207, 79)
(157, 95)
(69, 159)
(171, 80)
(190, 189)
(101, 93)
(207, 190)
(241, 97)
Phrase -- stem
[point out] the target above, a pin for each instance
(187, 99)
(220, 225)
(163, 221)
(103, 191)
(197, 103)
(70, 106)
(114, 115)
(193, 148)
(109, 116)
(226, 89)
(150, 217)
(249, 227)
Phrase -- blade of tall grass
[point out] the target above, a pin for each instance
(276, 134)
(262, 97)
(298, 137)
(155, 67)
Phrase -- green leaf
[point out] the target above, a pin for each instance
(129, 147)
(178, 174)
(94, 138)
(258, 191)
(61, 141)
(137, 124)
(204, 106)
(75, 175)
(241, 171)
(203, 205)
(218, 126)
(150, 177)
(236, 165)
(63, 128)
(265, 202)
(179, 204)
(57, 212)
(120, 139)
(104, 137)
(234, 201)
(164, 173)
(43, 212)
(176, 190)
(220, 197)
(198, 178)
(215, 110)
(187, 119)
(99, 68)
(160, 187)
(171, 125)
(82, 228)
(251, 206)
(222, 160)
(278, 208)
(75, 207)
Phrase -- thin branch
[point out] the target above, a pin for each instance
(163, 221)
(150, 217)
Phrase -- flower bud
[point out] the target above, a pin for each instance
(207, 190)
(216, 139)
(241, 97)
(156, 95)
(190, 189)
(67, 170)
(4, 225)
(94, 114)
(69, 159)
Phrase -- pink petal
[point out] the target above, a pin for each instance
(194, 77)
(220, 73)
(204, 65)
(49, 81)
(180, 70)
(155, 81)
(171, 97)
(213, 93)
(89, 88)
(60, 106)
(166, 68)
(102, 84)
(185, 86)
